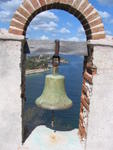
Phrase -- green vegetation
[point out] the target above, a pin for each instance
(37, 62)
(40, 62)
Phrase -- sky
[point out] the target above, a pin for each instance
(56, 24)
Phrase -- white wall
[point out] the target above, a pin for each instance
(10, 100)
(100, 123)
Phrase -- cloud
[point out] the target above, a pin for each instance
(46, 16)
(106, 17)
(44, 37)
(81, 30)
(69, 24)
(64, 30)
(111, 21)
(46, 21)
(3, 30)
(109, 37)
(74, 38)
(108, 32)
(50, 26)
(7, 9)
(4, 0)
(106, 2)
(104, 14)
(80, 36)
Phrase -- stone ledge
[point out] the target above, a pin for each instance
(5, 35)
(43, 138)
(101, 42)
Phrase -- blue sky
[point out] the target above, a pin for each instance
(57, 24)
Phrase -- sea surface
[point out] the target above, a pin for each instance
(66, 119)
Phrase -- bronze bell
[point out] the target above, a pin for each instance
(54, 96)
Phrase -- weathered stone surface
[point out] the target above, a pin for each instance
(10, 105)
(100, 123)
(43, 138)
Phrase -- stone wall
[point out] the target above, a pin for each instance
(100, 122)
(10, 92)
(96, 122)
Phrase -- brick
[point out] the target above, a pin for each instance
(84, 97)
(17, 24)
(97, 36)
(35, 4)
(22, 11)
(49, 1)
(81, 117)
(92, 69)
(72, 11)
(42, 2)
(77, 14)
(28, 6)
(92, 24)
(92, 16)
(81, 120)
(96, 22)
(86, 26)
(56, 5)
(88, 11)
(56, 1)
(77, 3)
(16, 31)
(81, 107)
(82, 132)
(85, 90)
(81, 17)
(89, 18)
(83, 6)
(95, 30)
(70, 2)
(85, 104)
(63, 1)
(19, 18)
(89, 64)
(88, 77)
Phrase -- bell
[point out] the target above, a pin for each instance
(54, 96)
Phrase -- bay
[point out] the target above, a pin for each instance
(66, 119)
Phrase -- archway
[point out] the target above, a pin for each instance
(94, 29)
(82, 9)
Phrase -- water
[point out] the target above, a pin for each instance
(64, 120)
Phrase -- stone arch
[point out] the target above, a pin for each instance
(82, 9)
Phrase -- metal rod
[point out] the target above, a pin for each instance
(57, 46)
(56, 58)
(53, 120)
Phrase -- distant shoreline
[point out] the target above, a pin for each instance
(33, 71)
(40, 64)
